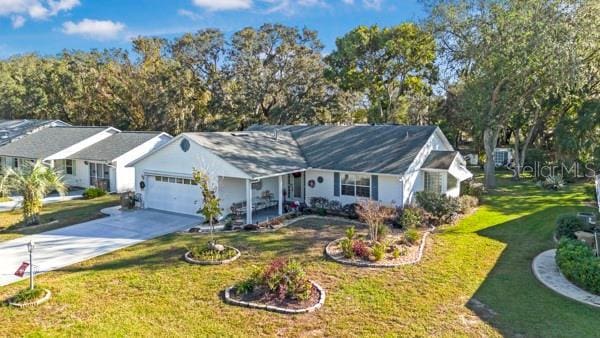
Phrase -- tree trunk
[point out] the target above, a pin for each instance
(517, 156)
(490, 138)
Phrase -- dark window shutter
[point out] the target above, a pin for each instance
(375, 187)
(336, 184)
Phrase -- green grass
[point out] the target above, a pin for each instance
(65, 213)
(475, 280)
(28, 295)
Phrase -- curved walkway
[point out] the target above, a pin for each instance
(546, 271)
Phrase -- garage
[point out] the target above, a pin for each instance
(172, 193)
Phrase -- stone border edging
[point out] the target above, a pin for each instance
(319, 304)
(33, 303)
(364, 264)
(190, 260)
(547, 272)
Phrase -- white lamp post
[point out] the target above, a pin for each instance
(30, 247)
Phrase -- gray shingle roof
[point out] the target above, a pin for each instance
(255, 153)
(48, 141)
(439, 159)
(13, 129)
(114, 146)
(384, 149)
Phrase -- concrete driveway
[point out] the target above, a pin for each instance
(69, 245)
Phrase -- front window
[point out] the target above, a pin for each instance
(69, 168)
(433, 182)
(356, 185)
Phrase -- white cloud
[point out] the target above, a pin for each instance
(94, 29)
(17, 21)
(223, 5)
(18, 10)
(189, 14)
(373, 4)
(290, 7)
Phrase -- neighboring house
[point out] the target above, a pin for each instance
(12, 130)
(87, 156)
(267, 165)
(503, 156)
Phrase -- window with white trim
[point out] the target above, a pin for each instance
(433, 182)
(70, 167)
(356, 185)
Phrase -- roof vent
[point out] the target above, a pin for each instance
(276, 134)
(407, 135)
(240, 134)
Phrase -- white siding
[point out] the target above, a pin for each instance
(125, 176)
(172, 160)
(81, 177)
(413, 178)
(389, 188)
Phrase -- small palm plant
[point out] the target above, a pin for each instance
(34, 181)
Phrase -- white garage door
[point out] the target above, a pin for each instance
(172, 193)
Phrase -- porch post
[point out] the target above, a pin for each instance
(248, 202)
(280, 195)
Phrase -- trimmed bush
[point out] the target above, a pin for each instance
(361, 249)
(472, 188)
(411, 216)
(319, 202)
(567, 226)
(281, 279)
(411, 236)
(350, 210)
(467, 203)
(578, 264)
(438, 205)
(93, 192)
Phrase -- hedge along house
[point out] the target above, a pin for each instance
(267, 166)
(86, 156)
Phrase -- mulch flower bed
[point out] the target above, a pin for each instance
(231, 255)
(398, 251)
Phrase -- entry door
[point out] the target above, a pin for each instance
(100, 176)
(296, 186)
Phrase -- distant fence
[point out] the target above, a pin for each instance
(598, 190)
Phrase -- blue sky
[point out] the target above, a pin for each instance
(48, 26)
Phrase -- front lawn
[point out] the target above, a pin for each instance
(66, 213)
(475, 280)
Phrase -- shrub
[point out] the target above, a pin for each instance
(374, 214)
(554, 182)
(411, 216)
(361, 249)
(93, 192)
(351, 232)
(567, 226)
(378, 251)
(334, 205)
(319, 202)
(382, 231)
(282, 278)
(438, 205)
(350, 210)
(472, 188)
(578, 264)
(347, 249)
(411, 236)
(467, 203)
(28, 295)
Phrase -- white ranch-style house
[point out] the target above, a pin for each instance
(86, 156)
(267, 167)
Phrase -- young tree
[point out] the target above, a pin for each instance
(374, 214)
(211, 208)
(34, 181)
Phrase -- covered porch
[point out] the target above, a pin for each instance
(259, 199)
